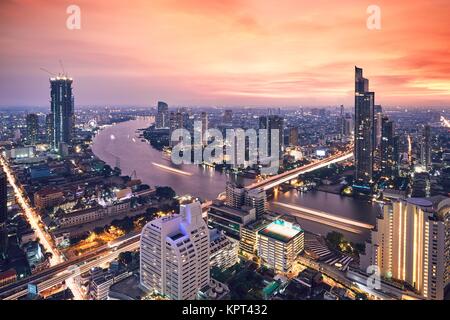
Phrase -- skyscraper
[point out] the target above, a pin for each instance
(257, 199)
(293, 136)
(32, 121)
(3, 215)
(425, 147)
(62, 111)
(387, 148)
(348, 126)
(175, 254)
(235, 194)
(162, 116)
(273, 122)
(378, 119)
(364, 111)
(341, 121)
(204, 118)
(411, 243)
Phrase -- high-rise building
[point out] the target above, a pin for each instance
(32, 121)
(273, 122)
(175, 254)
(162, 116)
(279, 244)
(377, 125)
(411, 243)
(348, 125)
(49, 128)
(257, 199)
(3, 215)
(204, 118)
(341, 120)
(238, 196)
(364, 113)
(425, 147)
(387, 149)
(235, 194)
(62, 111)
(176, 121)
(293, 136)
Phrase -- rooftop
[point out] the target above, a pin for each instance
(281, 230)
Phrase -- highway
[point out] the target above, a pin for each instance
(69, 269)
(322, 217)
(278, 179)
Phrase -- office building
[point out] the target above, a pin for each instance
(62, 111)
(175, 254)
(235, 194)
(348, 126)
(425, 147)
(411, 243)
(364, 118)
(256, 199)
(293, 136)
(229, 219)
(279, 244)
(377, 125)
(32, 122)
(162, 115)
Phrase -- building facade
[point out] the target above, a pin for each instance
(411, 244)
(364, 129)
(62, 118)
(162, 115)
(279, 244)
(175, 254)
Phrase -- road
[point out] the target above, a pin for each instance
(33, 219)
(70, 269)
(321, 217)
(292, 174)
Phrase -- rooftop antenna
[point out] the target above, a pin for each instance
(62, 67)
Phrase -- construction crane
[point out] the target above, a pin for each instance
(49, 72)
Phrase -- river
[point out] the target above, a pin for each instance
(120, 144)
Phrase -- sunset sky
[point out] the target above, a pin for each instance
(227, 52)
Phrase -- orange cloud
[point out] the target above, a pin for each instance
(228, 52)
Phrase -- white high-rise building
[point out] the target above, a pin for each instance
(411, 243)
(175, 254)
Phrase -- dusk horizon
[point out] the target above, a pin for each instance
(229, 53)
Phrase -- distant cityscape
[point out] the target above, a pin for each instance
(92, 207)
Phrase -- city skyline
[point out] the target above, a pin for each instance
(231, 53)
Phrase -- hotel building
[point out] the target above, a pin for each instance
(411, 244)
(175, 254)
